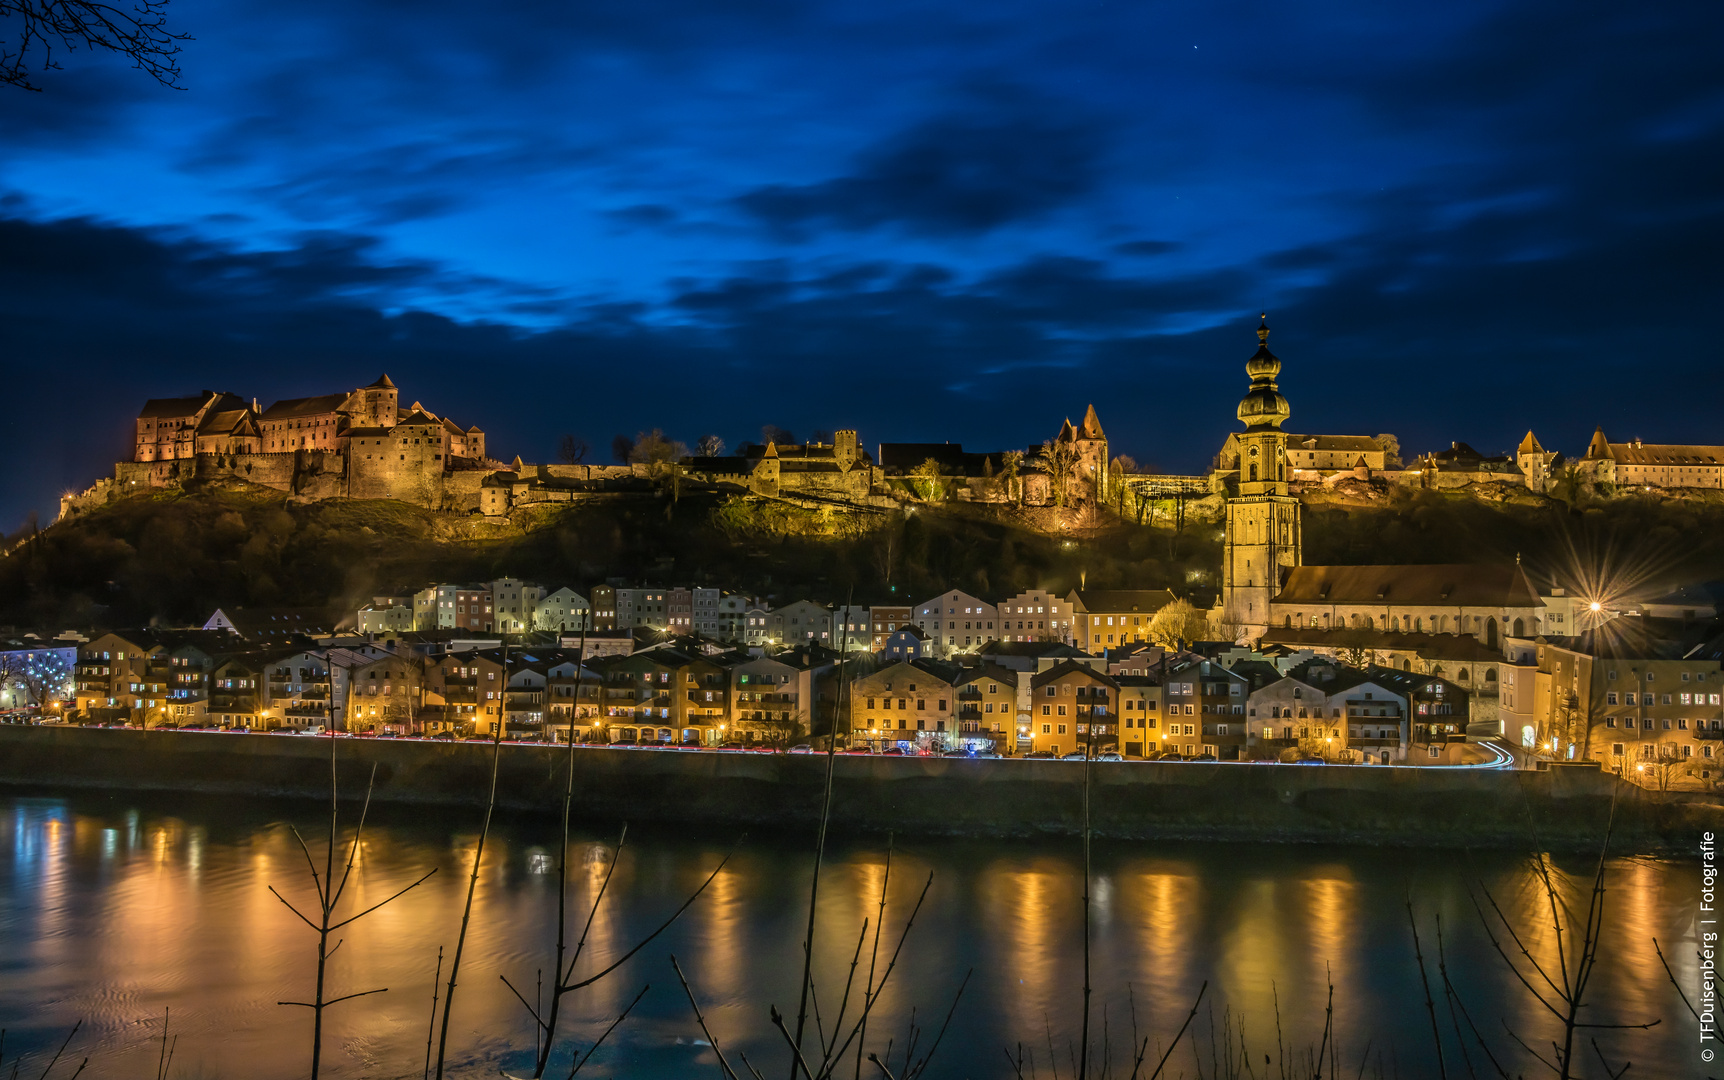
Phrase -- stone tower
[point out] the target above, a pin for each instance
(845, 449)
(375, 406)
(1263, 533)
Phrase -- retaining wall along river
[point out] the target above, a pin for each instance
(1400, 806)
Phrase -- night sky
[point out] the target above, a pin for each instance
(929, 221)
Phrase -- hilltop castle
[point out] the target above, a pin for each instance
(360, 444)
(364, 444)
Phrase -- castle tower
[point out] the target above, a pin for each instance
(1091, 443)
(1263, 532)
(375, 406)
(844, 449)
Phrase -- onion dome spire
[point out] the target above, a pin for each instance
(1263, 406)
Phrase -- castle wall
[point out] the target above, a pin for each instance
(461, 490)
(403, 464)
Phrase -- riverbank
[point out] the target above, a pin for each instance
(1400, 807)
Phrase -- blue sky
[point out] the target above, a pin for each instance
(926, 221)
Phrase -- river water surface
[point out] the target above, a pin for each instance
(116, 909)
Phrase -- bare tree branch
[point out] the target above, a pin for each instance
(139, 33)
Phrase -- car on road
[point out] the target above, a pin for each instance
(802, 748)
(1109, 755)
(1046, 755)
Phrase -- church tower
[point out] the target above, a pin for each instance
(1263, 533)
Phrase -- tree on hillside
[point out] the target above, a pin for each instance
(709, 446)
(1178, 624)
(925, 478)
(822, 437)
(572, 450)
(772, 433)
(139, 33)
(653, 449)
(1391, 451)
(1061, 459)
(1011, 462)
(622, 448)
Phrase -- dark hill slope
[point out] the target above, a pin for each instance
(176, 556)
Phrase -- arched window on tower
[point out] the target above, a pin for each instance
(1254, 471)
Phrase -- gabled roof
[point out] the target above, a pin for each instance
(1644, 453)
(1106, 600)
(988, 671)
(912, 629)
(1500, 585)
(269, 625)
(1450, 647)
(1030, 648)
(1091, 428)
(290, 408)
(1354, 443)
(1258, 673)
(1529, 445)
(175, 408)
(1068, 667)
(228, 422)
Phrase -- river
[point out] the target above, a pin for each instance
(116, 910)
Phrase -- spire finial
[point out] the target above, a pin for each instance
(1263, 330)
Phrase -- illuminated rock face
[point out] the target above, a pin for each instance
(1263, 535)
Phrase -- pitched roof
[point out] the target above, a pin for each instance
(1430, 584)
(382, 383)
(227, 421)
(174, 408)
(1091, 425)
(289, 408)
(269, 625)
(1029, 648)
(1105, 600)
(1451, 647)
(1333, 442)
(1068, 667)
(988, 671)
(1529, 445)
(1639, 453)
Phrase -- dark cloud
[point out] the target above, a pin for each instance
(644, 216)
(955, 175)
(1147, 248)
(1463, 222)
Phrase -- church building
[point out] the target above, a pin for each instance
(1263, 538)
(1267, 589)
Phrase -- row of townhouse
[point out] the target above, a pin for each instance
(951, 624)
(665, 693)
(1642, 699)
(1144, 703)
(671, 693)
